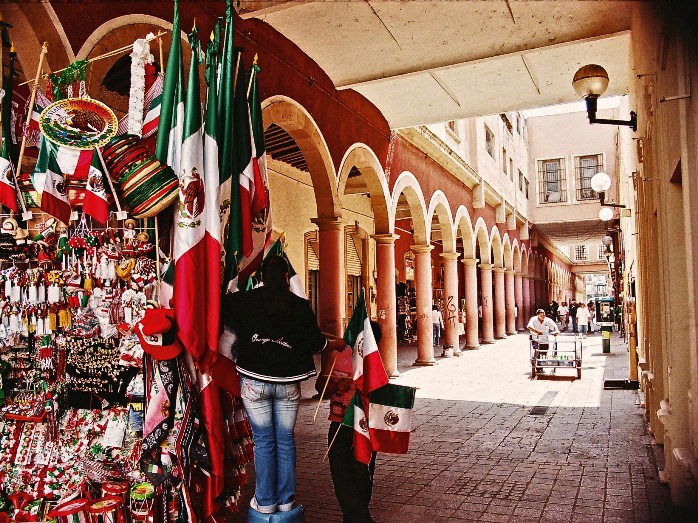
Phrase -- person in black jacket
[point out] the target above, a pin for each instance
(277, 335)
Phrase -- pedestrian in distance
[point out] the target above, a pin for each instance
(573, 316)
(437, 322)
(583, 318)
(541, 327)
(277, 335)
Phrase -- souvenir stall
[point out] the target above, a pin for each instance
(98, 403)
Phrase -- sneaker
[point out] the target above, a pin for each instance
(262, 510)
(287, 507)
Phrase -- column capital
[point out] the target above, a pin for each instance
(498, 269)
(328, 223)
(509, 271)
(421, 249)
(486, 266)
(469, 261)
(450, 255)
(385, 239)
(519, 274)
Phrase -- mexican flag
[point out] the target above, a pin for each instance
(153, 101)
(96, 204)
(54, 199)
(277, 249)
(390, 418)
(32, 131)
(168, 148)
(369, 373)
(355, 416)
(8, 191)
(74, 163)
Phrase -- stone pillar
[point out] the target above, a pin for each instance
(386, 301)
(499, 304)
(450, 311)
(486, 285)
(471, 334)
(533, 304)
(422, 277)
(330, 292)
(518, 299)
(525, 312)
(510, 302)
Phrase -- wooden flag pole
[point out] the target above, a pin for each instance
(339, 427)
(327, 381)
(27, 215)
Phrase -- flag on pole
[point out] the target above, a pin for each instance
(74, 163)
(54, 199)
(96, 203)
(168, 148)
(278, 249)
(32, 130)
(369, 373)
(355, 416)
(390, 418)
(8, 191)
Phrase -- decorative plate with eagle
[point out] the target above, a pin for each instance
(78, 123)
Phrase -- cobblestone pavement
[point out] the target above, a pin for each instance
(491, 444)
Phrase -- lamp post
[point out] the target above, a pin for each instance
(590, 82)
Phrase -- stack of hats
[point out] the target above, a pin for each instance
(147, 186)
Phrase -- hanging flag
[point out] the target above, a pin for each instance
(7, 113)
(169, 141)
(8, 191)
(54, 199)
(73, 163)
(390, 418)
(96, 203)
(153, 101)
(32, 130)
(369, 373)
(278, 249)
(355, 416)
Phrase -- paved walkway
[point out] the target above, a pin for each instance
(479, 453)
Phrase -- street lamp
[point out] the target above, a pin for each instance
(605, 214)
(601, 183)
(590, 82)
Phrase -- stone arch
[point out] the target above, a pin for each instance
(483, 241)
(525, 261)
(464, 225)
(516, 256)
(365, 160)
(497, 247)
(508, 254)
(300, 125)
(408, 185)
(440, 207)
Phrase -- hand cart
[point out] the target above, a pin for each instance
(564, 353)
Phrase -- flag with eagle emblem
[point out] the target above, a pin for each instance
(96, 204)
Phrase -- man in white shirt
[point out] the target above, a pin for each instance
(541, 327)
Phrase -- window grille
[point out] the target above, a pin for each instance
(552, 182)
(586, 167)
(489, 141)
(580, 253)
(600, 255)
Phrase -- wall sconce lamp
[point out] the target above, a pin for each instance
(601, 183)
(590, 82)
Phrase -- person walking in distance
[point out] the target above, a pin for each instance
(583, 319)
(540, 327)
(437, 322)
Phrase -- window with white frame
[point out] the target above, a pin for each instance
(489, 141)
(600, 255)
(504, 161)
(552, 182)
(521, 181)
(585, 168)
(581, 253)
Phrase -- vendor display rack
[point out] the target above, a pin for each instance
(563, 353)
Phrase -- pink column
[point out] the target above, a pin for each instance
(510, 302)
(525, 311)
(534, 296)
(450, 312)
(330, 300)
(422, 276)
(386, 301)
(471, 335)
(499, 304)
(518, 299)
(486, 286)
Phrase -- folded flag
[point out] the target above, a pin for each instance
(8, 192)
(390, 418)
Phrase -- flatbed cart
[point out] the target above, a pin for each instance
(563, 353)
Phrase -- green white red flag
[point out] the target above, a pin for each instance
(32, 130)
(168, 148)
(96, 203)
(390, 418)
(369, 373)
(8, 190)
(54, 198)
(355, 416)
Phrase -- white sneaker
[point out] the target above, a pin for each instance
(287, 507)
(263, 510)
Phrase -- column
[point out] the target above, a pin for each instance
(510, 302)
(486, 285)
(525, 312)
(385, 300)
(330, 285)
(471, 335)
(518, 299)
(422, 277)
(499, 307)
(450, 312)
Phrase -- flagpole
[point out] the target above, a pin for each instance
(120, 214)
(249, 87)
(327, 381)
(102, 56)
(27, 215)
(339, 427)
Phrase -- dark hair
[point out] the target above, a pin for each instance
(277, 302)
(274, 271)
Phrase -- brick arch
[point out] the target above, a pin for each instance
(439, 205)
(408, 185)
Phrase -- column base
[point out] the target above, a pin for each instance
(486, 342)
(457, 352)
(501, 337)
(394, 374)
(471, 347)
(424, 363)
(511, 333)
(521, 330)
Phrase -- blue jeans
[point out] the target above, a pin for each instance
(437, 333)
(272, 409)
(583, 329)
